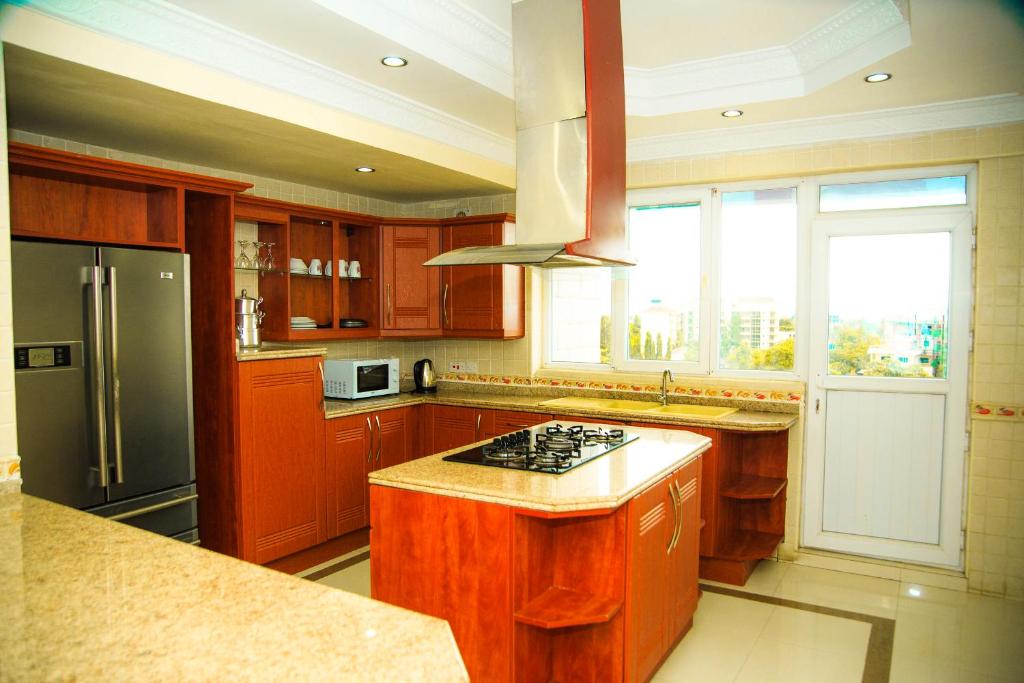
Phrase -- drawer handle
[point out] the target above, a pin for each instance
(380, 438)
(369, 440)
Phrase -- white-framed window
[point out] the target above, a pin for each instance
(721, 285)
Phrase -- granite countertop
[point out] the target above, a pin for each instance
(744, 420)
(603, 483)
(269, 351)
(87, 599)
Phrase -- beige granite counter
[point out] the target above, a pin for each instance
(603, 483)
(744, 420)
(270, 351)
(87, 599)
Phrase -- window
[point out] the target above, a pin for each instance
(895, 194)
(664, 287)
(758, 280)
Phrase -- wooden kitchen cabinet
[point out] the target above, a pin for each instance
(357, 445)
(505, 421)
(455, 426)
(664, 532)
(283, 506)
(410, 292)
(481, 301)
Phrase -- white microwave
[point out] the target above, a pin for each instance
(360, 378)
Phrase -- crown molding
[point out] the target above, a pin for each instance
(860, 35)
(169, 29)
(444, 31)
(973, 113)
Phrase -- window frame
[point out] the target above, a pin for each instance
(709, 196)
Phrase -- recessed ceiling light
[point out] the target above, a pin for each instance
(365, 169)
(878, 77)
(732, 113)
(394, 60)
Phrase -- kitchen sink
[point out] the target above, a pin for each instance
(601, 404)
(692, 411)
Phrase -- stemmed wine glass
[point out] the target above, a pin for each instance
(243, 260)
(257, 260)
(268, 260)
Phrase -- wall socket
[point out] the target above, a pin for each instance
(462, 366)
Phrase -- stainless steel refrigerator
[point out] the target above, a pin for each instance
(103, 381)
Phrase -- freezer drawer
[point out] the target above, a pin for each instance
(170, 513)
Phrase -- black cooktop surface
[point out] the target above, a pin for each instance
(553, 450)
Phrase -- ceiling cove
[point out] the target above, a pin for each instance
(455, 36)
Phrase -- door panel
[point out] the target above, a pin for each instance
(348, 456)
(651, 526)
(883, 464)
(154, 365)
(57, 415)
(890, 314)
(412, 292)
(472, 294)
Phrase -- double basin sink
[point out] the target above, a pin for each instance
(645, 407)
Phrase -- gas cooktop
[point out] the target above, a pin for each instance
(552, 450)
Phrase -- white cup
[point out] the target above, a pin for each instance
(342, 268)
(315, 267)
(354, 269)
(327, 269)
(298, 264)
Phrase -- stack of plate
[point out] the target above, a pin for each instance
(301, 322)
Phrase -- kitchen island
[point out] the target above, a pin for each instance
(87, 599)
(586, 575)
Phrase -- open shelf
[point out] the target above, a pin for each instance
(563, 607)
(260, 271)
(752, 487)
(743, 544)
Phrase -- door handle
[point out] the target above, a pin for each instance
(99, 396)
(675, 519)
(387, 301)
(380, 437)
(679, 516)
(444, 304)
(369, 440)
(476, 430)
(153, 508)
(115, 375)
(323, 383)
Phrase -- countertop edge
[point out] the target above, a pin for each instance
(595, 503)
(273, 353)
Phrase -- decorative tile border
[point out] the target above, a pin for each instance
(997, 411)
(734, 393)
(10, 468)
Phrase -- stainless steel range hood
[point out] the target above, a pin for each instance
(570, 139)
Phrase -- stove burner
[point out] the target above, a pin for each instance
(503, 454)
(572, 431)
(596, 436)
(551, 459)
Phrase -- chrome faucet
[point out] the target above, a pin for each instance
(666, 377)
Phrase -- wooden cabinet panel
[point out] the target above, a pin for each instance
(455, 426)
(281, 432)
(651, 526)
(684, 560)
(506, 421)
(481, 301)
(348, 454)
(411, 292)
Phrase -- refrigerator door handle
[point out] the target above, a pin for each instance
(115, 376)
(98, 383)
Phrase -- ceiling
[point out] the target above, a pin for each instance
(780, 62)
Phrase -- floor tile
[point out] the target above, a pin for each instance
(764, 581)
(354, 579)
(818, 631)
(839, 590)
(774, 660)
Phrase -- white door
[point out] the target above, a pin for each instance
(887, 395)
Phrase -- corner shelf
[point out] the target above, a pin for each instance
(563, 607)
(753, 487)
(743, 544)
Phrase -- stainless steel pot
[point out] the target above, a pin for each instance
(246, 305)
(247, 328)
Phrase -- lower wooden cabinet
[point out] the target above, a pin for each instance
(664, 535)
(506, 421)
(282, 501)
(455, 426)
(357, 445)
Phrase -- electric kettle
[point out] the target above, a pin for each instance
(423, 373)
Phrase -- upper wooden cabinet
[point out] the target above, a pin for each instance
(74, 197)
(410, 292)
(481, 301)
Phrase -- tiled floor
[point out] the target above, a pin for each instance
(793, 623)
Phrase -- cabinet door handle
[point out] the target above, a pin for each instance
(380, 438)
(444, 304)
(387, 301)
(369, 440)
(476, 431)
(323, 383)
(675, 519)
